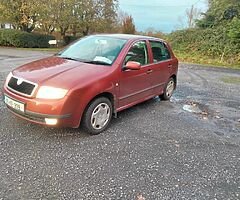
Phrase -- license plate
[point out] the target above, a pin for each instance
(14, 104)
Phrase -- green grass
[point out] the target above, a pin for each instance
(191, 57)
(231, 79)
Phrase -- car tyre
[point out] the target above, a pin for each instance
(168, 90)
(97, 116)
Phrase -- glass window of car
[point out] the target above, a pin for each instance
(160, 51)
(94, 49)
(138, 53)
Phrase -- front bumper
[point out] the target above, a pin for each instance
(38, 117)
(38, 110)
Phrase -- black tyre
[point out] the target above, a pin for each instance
(97, 116)
(168, 90)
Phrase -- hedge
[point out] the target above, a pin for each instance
(17, 38)
(213, 42)
(69, 39)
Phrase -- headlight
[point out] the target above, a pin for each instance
(47, 92)
(9, 76)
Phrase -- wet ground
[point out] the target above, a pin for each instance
(188, 148)
(210, 97)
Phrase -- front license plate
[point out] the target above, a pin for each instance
(14, 104)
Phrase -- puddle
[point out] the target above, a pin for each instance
(219, 133)
(192, 108)
(197, 108)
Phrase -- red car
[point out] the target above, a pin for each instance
(91, 80)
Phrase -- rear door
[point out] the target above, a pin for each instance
(135, 85)
(161, 65)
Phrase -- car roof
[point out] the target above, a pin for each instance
(129, 36)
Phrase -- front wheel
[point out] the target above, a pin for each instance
(97, 116)
(168, 90)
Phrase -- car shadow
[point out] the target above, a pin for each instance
(71, 133)
(139, 109)
(61, 132)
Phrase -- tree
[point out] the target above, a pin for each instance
(98, 16)
(109, 15)
(217, 34)
(192, 14)
(22, 14)
(128, 26)
(64, 16)
(220, 12)
(234, 30)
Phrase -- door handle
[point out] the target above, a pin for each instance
(149, 71)
(170, 65)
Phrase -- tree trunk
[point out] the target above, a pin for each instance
(86, 31)
(63, 31)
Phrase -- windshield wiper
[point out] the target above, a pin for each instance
(97, 62)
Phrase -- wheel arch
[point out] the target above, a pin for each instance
(107, 95)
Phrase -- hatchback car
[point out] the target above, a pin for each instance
(92, 80)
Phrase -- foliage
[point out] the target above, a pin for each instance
(220, 12)
(74, 16)
(214, 43)
(128, 26)
(69, 39)
(17, 38)
(192, 14)
(22, 14)
(216, 37)
(234, 30)
(153, 33)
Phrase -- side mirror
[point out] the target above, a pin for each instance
(133, 65)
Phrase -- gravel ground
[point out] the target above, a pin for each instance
(188, 148)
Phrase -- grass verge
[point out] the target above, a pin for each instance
(231, 79)
(191, 57)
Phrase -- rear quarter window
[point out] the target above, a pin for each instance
(160, 51)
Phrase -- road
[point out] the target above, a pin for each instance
(188, 148)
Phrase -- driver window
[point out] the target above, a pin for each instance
(138, 53)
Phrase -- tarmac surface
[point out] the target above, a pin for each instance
(188, 148)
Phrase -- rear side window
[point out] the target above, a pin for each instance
(160, 51)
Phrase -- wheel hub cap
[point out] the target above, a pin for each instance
(170, 88)
(100, 116)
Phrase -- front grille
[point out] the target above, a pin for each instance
(23, 87)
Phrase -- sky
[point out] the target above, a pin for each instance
(162, 15)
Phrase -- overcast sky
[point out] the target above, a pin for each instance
(162, 15)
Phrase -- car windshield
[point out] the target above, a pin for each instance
(101, 50)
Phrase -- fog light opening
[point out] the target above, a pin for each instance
(51, 121)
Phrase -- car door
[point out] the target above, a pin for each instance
(135, 85)
(161, 65)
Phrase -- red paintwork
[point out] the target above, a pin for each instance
(86, 81)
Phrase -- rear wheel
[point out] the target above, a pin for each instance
(168, 90)
(97, 115)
